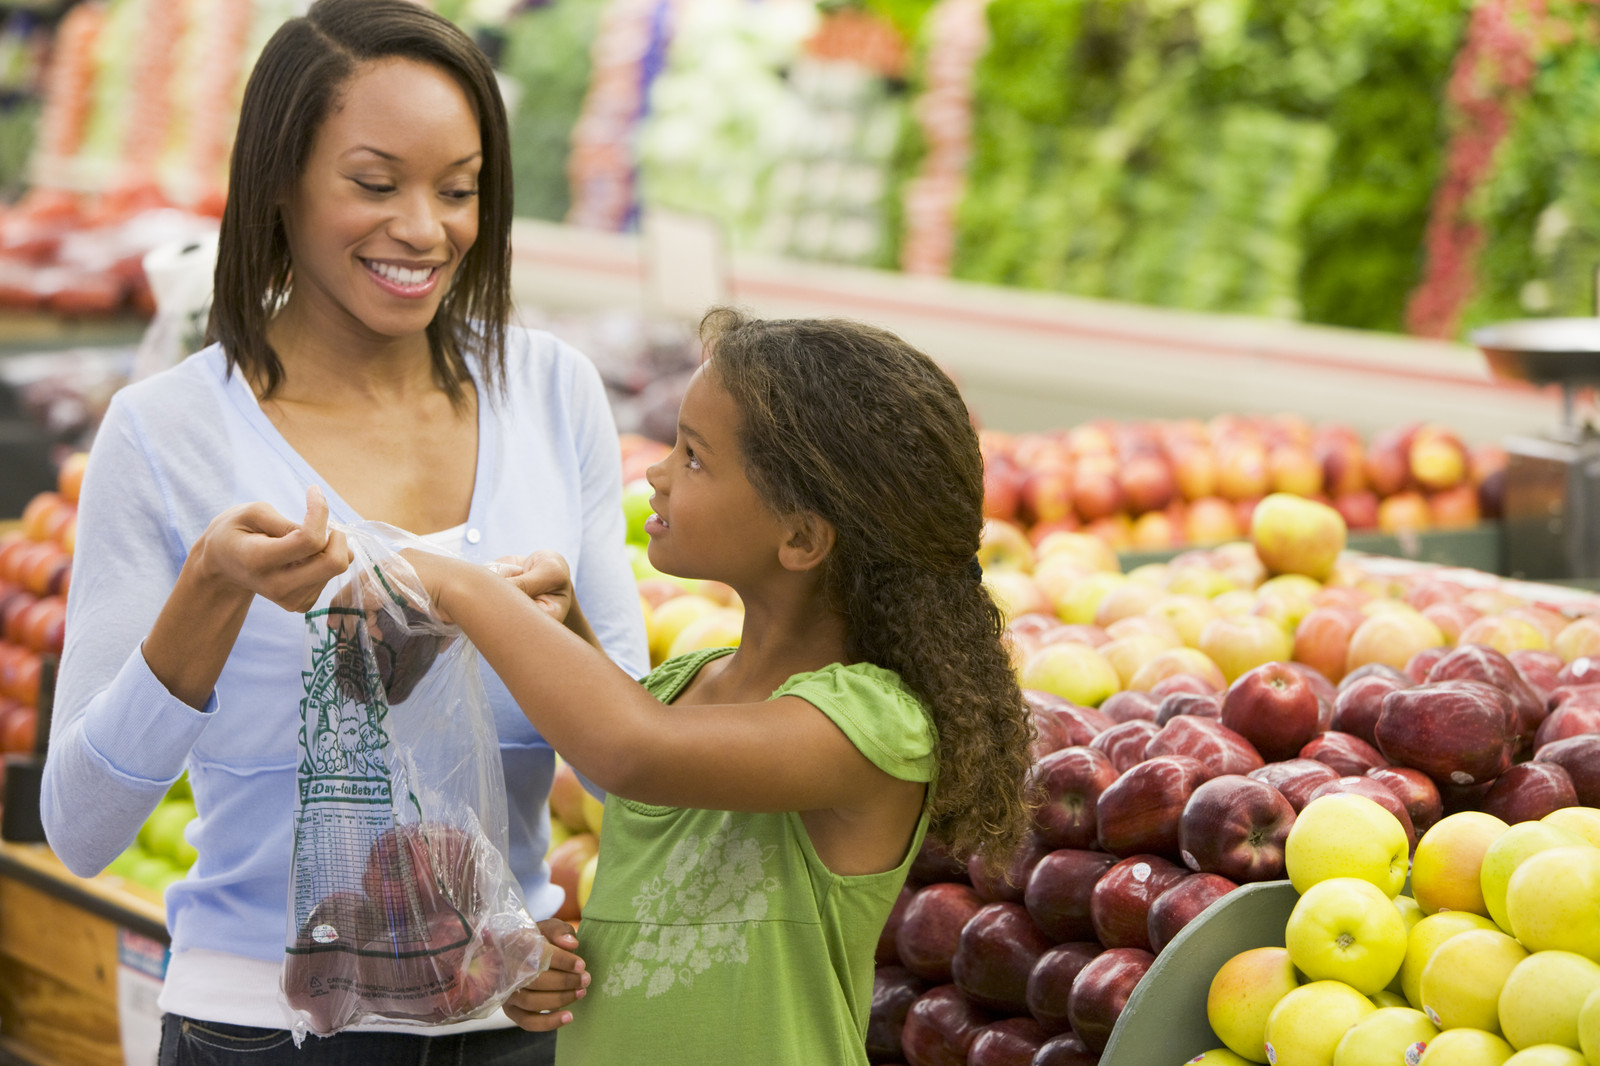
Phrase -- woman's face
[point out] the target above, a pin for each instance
(388, 203)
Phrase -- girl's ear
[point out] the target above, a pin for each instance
(810, 539)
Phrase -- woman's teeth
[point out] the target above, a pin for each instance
(400, 275)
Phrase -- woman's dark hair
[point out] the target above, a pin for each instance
(856, 426)
(293, 88)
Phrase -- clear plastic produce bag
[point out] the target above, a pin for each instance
(402, 905)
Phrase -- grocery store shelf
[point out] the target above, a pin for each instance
(129, 906)
(1032, 360)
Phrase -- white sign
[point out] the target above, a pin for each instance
(141, 971)
(685, 263)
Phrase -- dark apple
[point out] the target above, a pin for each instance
(415, 869)
(941, 1026)
(1061, 723)
(1561, 695)
(1295, 778)
(1069, 783)
(320, 971)
(1457, 798)
(997, 951)
(1102, 990)
(1529, 791)
(1378, 793)
(1119, 906)
(1575, 718)
(934, 864)
(1326, 690)
(1540, 669)
(1065, 1049)
(1418, 666)
(930, 932)
(894, 989)
(1139, 811)
(1236, 826)
(887, 954)
(1219, 749)
(1584, 670)
(1275, 708)
(1461, 732)
(1202, 704)
(1082, 724)
(1415, 791)
(1344, 752)
(1125, 744)
(1356, 708)
(1060, 890)
(1168, 686)
(1008, 884)
(1007, 1042)
(1373, 670)
(411, 975)
(1580, 758)
(1051, 982)
(1182, 904)
(1478, 662)
(1128, 705)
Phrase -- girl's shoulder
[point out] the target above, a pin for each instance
(875, 708)
(669, 679)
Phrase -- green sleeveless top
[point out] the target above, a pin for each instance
(716, 938)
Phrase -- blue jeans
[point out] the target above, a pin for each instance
(186, 1042)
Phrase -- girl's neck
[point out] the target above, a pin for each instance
(782, 636)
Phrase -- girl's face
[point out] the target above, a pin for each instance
(388, 203)
(709, 521)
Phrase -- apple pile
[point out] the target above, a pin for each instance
(1155, 485)
(161, 853)
(575, 818)
(1493, 957)
(420, 941)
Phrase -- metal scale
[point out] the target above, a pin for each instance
(1551, 508)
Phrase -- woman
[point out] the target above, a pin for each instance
(361, 368)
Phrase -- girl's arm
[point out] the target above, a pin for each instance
(777, 755)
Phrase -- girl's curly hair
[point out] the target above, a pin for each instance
(853, 424)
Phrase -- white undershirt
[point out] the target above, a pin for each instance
(219, 987)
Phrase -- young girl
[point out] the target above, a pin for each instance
(766, 801)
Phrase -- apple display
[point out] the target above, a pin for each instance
(1423, 662)
(1383, 1037)
(1070, 782)
(1179, 662)
(1050, 982)
(1322, 639)
(894, 990)
(930, 932)
(1007, 1042)
(1457, 732)
(1129, 705)
(1542, 998)
(1236, 827)
(1425, 938)
(1060, 891)
(941, 1026)
(1574, 718)
(1119, 905)
(1197, 704)
(1065, 1049)
(1391, 637)
(1347, 835)
(1182, 904)
(1275, 708)
(1346, 929)
(1101, 992)
(1296, 535)
(1296, 779)
(1461, 982)
(1307, 1024)
(1551, 900)
(995, 954)
(1075, 672)
(1475, 662)
(1140, 811)
(1580, 757)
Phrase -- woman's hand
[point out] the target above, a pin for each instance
(537, 1005)
(254, 549)
(544, 577)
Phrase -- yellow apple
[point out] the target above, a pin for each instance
(1016, 593)
(1128, 655)
(586, 880)
(1411, 914)
(1127, 600)
(1540, 1001)
(1589, 1029)
(1146, 625)
(1079, 602)
(594, 812)
(1297, 585)
(1085, 549)
(1553, 900)
(1507, 852)
(1462, 981)
(1072, 671)
(1381, 1038)
(1173, 662)
(1003, 545)
(1200, 581)
(720, 628)
(1445, 872)
(671, 617)
(1386, 998)
(1346, 929)
(1242, 995)
(1220, 1056)
(1188, 615)
(1239, 644)
(1425, 938)
(1583, 821)
(1305, 1028)
(1547, 1055)
(1296, 535)
(1346, 835)
(1465, 1047)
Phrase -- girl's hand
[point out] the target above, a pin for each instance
(538, 1005)
(544, 577)
(255, 549)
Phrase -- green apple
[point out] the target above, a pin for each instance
(1242, 995)
(1072, 671)
(636, 508)
(1465, 1047)
(151, 872)
(1382, 1037)
(1305, 1028)
(1462, 981)
(1547, 1055)
(1445, 871)
(1387, 998)
(1507, 852)
(1345, 835)
(1540, 1001)
(123, 863)
(1553, 900)
(1425, 939)
(1589, 1029)
(162, 832)
(1584, 821)
(1221, 1056)
(1346, 929)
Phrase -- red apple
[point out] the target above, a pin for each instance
(1418, 666)
(1051, 982)
(1539, 669)
(941, 1027)
(1125, 744)
(1322, 639)
(1293, 469)
(1101, 992)
(1388, 462)
(1182, 904)
(1211, 520)
(1359, 509)
(997, 951)
(1461, 732)
(1065, 1049)
(1375, 791)
(1045, 495)
(1008, 884)
(1345, 753)
(1475, 662)
(1580, 757)
(1002, 490)
(894, 990)
(1171, 686)
(1070, 782)
(1416, 792)
(1140, 810)
(1274, 708)
(1059, 892)
(1194, 469)
(1236, 826)
(930, 932)
(1242, 471)
(1147, 482)
(1219, 749)
(1096, 491)
(1127, 705)
(1451, 618)
(1007, 1042)
(1119, 906)
(1455, 508)
(423, 866)
(887, 954)
(1296, 779)
(1574, 718)
(1359, 703)
(1404, 512)
(1584, 670)
(1203, 705)
(934, 864)
(1341, 457)
(1529, 791)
